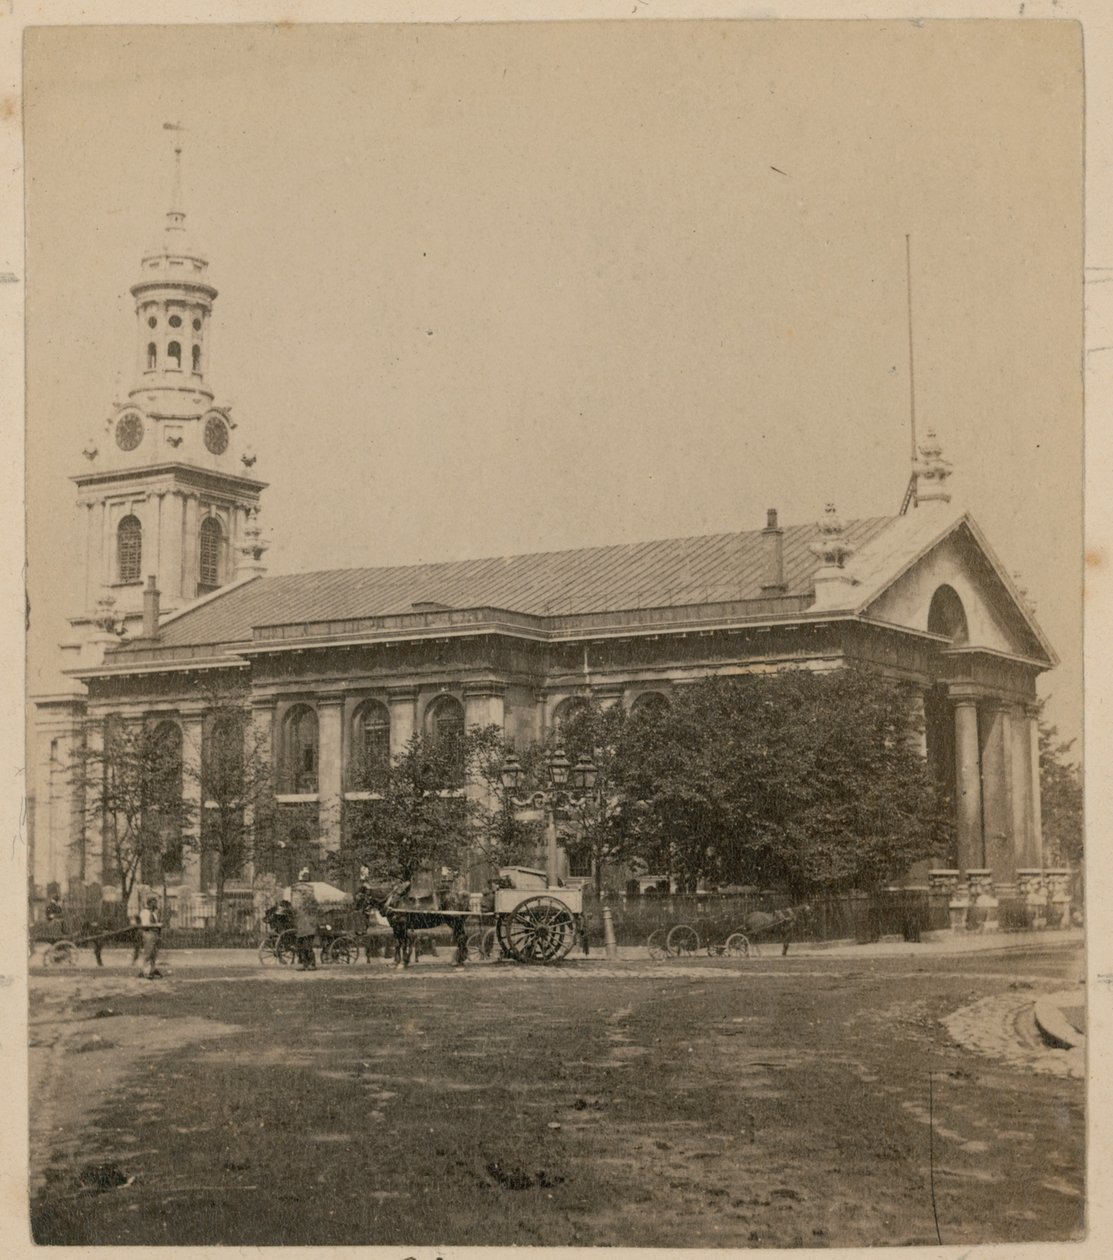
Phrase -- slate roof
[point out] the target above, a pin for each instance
(676, 571)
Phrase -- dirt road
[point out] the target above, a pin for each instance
(796, 1102)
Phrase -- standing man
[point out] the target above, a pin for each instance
(150, 932)
(305, 920)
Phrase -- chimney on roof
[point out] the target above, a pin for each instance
(773, 549)
(150, 609)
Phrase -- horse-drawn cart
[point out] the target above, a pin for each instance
(528, 921)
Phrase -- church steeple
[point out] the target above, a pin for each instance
(173, 304)
(170, 483)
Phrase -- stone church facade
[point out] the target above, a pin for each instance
(341, 667)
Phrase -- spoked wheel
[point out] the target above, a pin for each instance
(658, 949)
(266, 950)
(60, 954)
(540, 930)
(501, 937)
(286, 948)
(682, 941)
(345, 949)
(737, 946)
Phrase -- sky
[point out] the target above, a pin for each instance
(494, 289)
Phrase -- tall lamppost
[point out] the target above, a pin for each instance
(568, 785)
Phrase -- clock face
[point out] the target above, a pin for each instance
(216, 435)
(129, 432)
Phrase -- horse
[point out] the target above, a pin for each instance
(404, 923)
(762, 921)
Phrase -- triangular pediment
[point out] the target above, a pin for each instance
(901, 589)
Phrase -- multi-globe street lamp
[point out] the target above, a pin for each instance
(569, 785)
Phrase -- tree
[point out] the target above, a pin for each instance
(1061, 798)
(235, 782)
(423, 820)
(129, 775)
(797, 780)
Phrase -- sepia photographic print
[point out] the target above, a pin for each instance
(554, 678)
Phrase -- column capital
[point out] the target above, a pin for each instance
(1032, 708)
(330, 698)
(962, 698)
(402, 693)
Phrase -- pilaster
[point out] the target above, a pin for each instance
(330, 768)
(403, 716)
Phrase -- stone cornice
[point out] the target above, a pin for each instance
(190, 474)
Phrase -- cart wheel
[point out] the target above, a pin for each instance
(343, 950)
(266, 950)
(501, 937)
(658, 950)
(540, 930)
(481, 942)
(60, 954)
(286, 949)
(682, 941)
(737, 946)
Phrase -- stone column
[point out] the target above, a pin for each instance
(330, 769)
(403, 717)
(1035, 841)
(192, 728)
(968, 785)
(996, 797)
(1020, 778)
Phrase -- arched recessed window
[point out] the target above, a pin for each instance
(211, 548)
(299, 763)
(129, 550)
(370, 759)
(174, 353)
(567, 709)
(650, 704)
(197, 358)
(947, 616)
(446, 727)
(152, 356)
(162, 789)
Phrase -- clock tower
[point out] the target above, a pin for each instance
(169, 489)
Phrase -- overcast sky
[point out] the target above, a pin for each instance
(498, 289)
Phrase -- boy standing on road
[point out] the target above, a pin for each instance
(150, 931)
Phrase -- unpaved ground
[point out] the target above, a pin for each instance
(776, 1103)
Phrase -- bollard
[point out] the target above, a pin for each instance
(609, 942)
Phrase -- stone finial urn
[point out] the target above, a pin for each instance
(984, 904)
(1031, 886)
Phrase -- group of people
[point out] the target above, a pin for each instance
(146, 927)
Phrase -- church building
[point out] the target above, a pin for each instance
(341, 667)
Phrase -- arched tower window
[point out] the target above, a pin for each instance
(947, 615)
(129, 550)
(174, 353)
(211, 552)
(152, 356)
(197, 359)
(299, 762)
(370, 758)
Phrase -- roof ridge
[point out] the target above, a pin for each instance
(868, 521)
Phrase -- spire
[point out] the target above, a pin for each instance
(175, 216)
